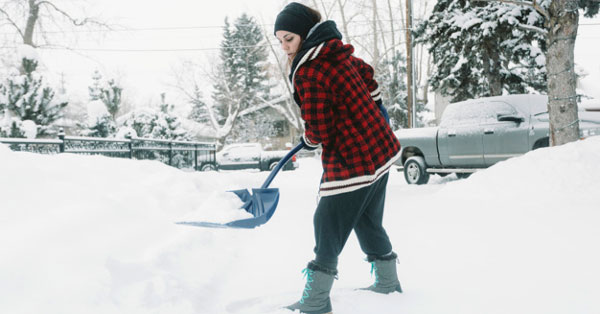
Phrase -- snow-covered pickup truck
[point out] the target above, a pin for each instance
(478, 133)
(248, 156)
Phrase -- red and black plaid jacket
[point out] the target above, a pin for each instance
(336, 92)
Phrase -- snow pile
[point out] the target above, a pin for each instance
(97, 235)
(26, 52)
(96, 111)
(528, 177)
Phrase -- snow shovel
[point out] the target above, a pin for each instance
(261, 203)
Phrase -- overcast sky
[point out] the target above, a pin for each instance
(159, 33)
(157, 37)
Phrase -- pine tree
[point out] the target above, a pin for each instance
(110, 95)
(390, 76)
(242, 81)
(156, 124)
(199, 111)
(226, 92)
(99, 121)
(484, 48)
(109, 92)
(95, 90)
(25, 97)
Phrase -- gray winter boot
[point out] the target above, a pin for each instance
(315, 297)
(386, 277)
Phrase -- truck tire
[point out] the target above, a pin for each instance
(463, 175)
(272, 165)
(415, 171)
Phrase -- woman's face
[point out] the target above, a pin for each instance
(290, 42)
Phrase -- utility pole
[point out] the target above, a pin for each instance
(410, 69)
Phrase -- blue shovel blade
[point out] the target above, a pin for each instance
(261, 204)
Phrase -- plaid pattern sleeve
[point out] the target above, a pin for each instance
(367, 73)
(316, 109)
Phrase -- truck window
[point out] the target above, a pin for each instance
(494, 109)
(463, 113)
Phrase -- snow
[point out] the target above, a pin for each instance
(96, 110)
(26, 52)
(97, 235)
(30, 129)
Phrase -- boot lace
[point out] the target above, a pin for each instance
(374, 271)
(308, 275)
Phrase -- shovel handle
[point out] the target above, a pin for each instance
(281, 163)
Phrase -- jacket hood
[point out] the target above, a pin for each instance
(323, 41)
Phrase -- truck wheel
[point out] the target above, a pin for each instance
(415, 171)
(272, 165)
(208, 167)
(463, 175)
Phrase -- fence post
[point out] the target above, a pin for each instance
(129, 145)
(213, 154)
(170, 153)
(196, 157)
(61, 136)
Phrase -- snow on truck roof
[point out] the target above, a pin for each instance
(526, 103)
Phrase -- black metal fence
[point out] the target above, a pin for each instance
(180, 154)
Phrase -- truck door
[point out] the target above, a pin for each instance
(503, 139)
(460, 136)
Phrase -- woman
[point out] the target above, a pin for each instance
(340, 103)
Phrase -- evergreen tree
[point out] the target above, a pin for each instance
(390, 76)
(156, 124)
(109, 92)
(111, 97)
(25, 97)
(99, 121)
(226, 92)
(95, 89)
(484, 48)
(199, 111)
(242, 80)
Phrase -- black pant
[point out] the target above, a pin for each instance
(337, 215)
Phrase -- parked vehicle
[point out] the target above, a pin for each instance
(478, 133)
(249, 156)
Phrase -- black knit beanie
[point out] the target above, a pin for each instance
(295, 18)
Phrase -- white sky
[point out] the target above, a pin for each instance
(145, 73)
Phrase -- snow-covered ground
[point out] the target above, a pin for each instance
(81, 234)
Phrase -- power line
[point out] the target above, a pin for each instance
(181, 49)
(179, 28)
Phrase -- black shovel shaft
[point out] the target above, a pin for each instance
(281, 163)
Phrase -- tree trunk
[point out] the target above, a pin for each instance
(376, 55)
(495, 79)
(562, 95)
(344, 22)
(32, 17)
(409, 66)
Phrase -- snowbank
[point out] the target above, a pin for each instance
(97, 235)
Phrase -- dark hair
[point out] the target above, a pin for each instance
(316, 15)
(297, 18)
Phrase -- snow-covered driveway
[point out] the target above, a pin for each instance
(96, 235)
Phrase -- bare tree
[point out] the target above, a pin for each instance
(187, 81)
(29, 18)
(285, 105)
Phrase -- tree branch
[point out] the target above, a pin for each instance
(532, 28)
(532, 4)
(73, 20)
(12, 22)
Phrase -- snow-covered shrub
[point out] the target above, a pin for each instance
(153, 124)
(25, 95)
(99, 121)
